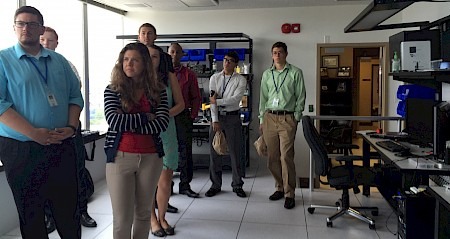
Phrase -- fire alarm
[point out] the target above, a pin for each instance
(286, 28)
(295, 27)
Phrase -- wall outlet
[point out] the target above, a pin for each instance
(311, 108)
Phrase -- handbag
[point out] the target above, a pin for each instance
(220, 143)
(261, 147)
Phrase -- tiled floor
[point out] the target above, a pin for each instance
(228, 216)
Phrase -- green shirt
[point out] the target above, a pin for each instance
(282, 90)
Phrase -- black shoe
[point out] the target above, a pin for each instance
(159, 233)
(277, 195)
(189, 193)
(212, 192)
(87, 220)
(170, 231)
(289, 203)
(171, 208)
(240, 192)
(49, 224)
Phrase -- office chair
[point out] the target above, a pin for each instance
(338, 137)
(343, 177)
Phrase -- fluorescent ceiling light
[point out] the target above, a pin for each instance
(377, 12)
(200, 3)
(137, 5)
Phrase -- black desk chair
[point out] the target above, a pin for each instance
(343, 177)
(338, 137)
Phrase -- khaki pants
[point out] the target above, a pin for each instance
(132, 179)
(279, 134)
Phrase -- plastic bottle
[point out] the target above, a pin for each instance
(214, 66)
(395, 63)
(238, 69)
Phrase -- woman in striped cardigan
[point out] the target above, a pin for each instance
(137, 111)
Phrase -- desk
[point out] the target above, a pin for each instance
(442, 211)
(414, 170)
(91, 137)
(201, 132)
(415, 212)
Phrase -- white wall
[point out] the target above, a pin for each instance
(264, 26)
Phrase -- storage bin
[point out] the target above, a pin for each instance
(246, 115)
(197, 55)
(415, 91)
(219, 54)
(401, 108)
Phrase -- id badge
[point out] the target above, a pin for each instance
(52, 100)
(275, 102)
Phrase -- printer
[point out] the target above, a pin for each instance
(415, 55)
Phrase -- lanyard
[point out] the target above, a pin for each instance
(37, 68)
(225, 85)
(273, 78)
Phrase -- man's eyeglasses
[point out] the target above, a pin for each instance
(229, 60)
(32, 25)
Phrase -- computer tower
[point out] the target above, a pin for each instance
(416, 216)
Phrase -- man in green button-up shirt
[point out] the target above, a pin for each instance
(282, 101)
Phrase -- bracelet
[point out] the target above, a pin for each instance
(72, 127)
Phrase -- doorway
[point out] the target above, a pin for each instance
(367, 79)
(367, 68)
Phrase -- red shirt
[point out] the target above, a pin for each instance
(189, 89)
(138, 143)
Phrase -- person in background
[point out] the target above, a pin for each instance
(184, 121)
(227, 88)
(147, 36)
(137, 111)
(36, 144)
(49, 40)
(282, 101)
(159, 226)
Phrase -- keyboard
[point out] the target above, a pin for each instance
(392, 146)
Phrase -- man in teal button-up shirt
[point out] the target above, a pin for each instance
(282, 100)
(40, 105)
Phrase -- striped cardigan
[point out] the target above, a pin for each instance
(138, 122)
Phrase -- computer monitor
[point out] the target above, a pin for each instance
(441, 130)
(420, 121)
